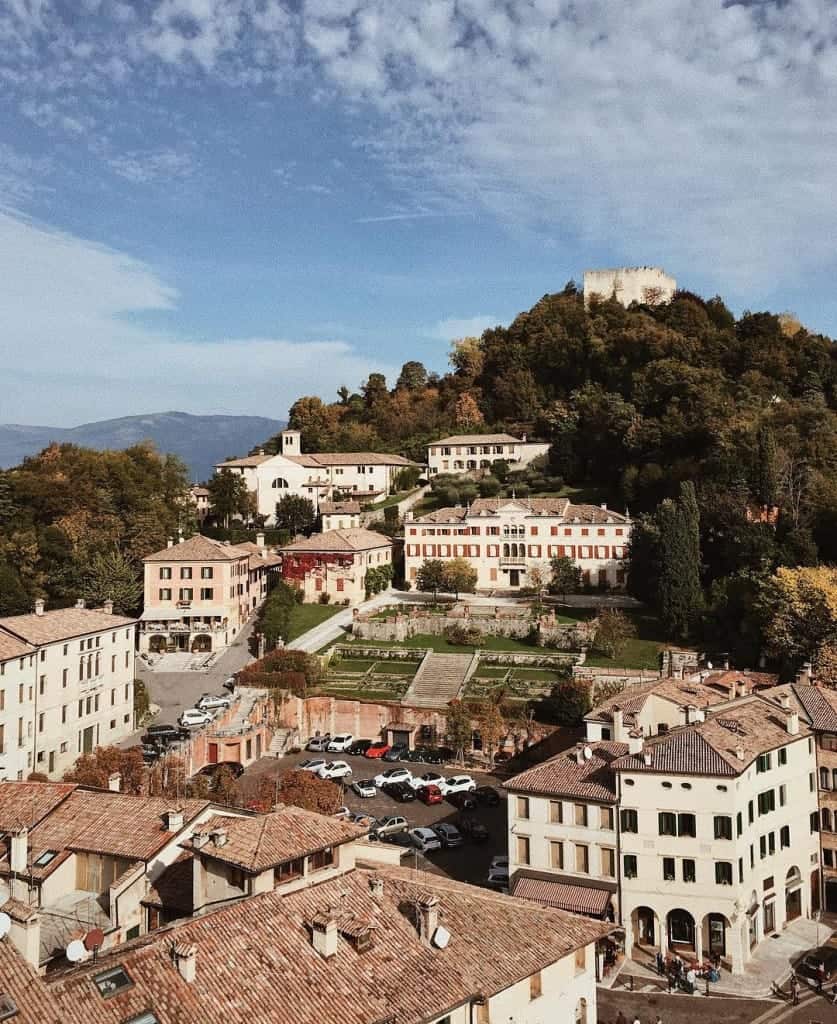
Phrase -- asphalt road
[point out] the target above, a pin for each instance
(683, 1009)
(467, 863)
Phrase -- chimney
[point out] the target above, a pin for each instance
(635, 742)
(173, 820)
(700, 715)
(108, 607)
(39, 606)
(784, 701)
(603, 506)
(260, 541)
(691, 713)
(376, 887)
(428, 908)
(185, 956)
(732, 690)
(170, 542)
(742, 688)
(739, 752)
(618, 723)
(725, 665)
(805, 673)
(408, 516)
(523, 438)
(114, 782)
(793, 723)
(218, 837)
(646, 757)
(261, 451)
(199, 840)
(80, 602)
(19, 849)
(324, 935)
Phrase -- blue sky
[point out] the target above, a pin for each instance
(219, 205)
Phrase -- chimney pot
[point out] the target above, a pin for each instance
(646, 757)
(428, 907)
(19, 849)
(793, 723)
(784, 701)
(80, 602)
(376, 887)
(108, 607)
(635, 743)
(173, 819)
(170, 542)
(199, 840)
(739, 752)
(115, 782)
(39, 607)
(324, 935)
(218, 837)
(185, 956)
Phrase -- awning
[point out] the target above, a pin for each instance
(164, 614)
(578, 899)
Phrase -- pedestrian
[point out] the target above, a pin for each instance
(621, 1018)
(691, 978)
(833, 994)
(636, 1020)
(820, 977)
(660, 963)
(794, 987)
(658, 1020)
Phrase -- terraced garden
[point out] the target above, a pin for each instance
(515, 683)
(367, 679)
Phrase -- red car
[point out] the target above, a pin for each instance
(430, 794)
(377, 749)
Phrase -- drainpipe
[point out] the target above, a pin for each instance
(618, 826)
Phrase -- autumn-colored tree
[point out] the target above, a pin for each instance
(96, 768)
(825, 664)
(466, 412)
(459, 728)
(306, 790)
(492, 727)
(799, 612)
(167, 777)
(459, 576)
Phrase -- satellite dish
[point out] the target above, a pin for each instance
(441, 937)
(94, 939)
(709, 664)
(588, 753)
(5, 924)
(75, 951)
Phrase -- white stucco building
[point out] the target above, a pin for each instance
(466, 453)
(504, 538)
(365, 475)
(66, 686)
(712, 844)
(646, 285)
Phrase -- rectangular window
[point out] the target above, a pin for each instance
(668, 823)
(740, 870)
(556, 855)
(629, 820)
(763, 763)
(688, 870)
(522, 807)
(113, 662)
(739, 824)
(582, 859)
(556, 812)
(668, 869)
(606, 821)
(762, 847)
(321, 859)
(750, 812)
(41, 722)
(784, 836)
(165, 572)
(814, 822)
(608, 863)
(829, 742)
(206, 572)
(63, 714)
(522, 849)
(581, 815)
(186, 593)
(186, 572)
(782, 756)
(783, 795)
(811, 782)
(767, 801)
(752, 856)
(686, 825)
(629, 865)
(207, 592)
(723, 872)
(165, 593)
(723, 827)
(771, 843)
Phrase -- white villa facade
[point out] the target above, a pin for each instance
(66, 686)
(365, 475)
(703, 838)
(466, 453)
(504, 538)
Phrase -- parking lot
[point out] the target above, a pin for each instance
(468, 863)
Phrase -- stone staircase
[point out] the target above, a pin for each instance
(440, 679)
(283, 740)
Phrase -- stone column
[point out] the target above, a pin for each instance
(699, 940)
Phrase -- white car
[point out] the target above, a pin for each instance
(335, 770)
(393, 775)
(318, 743)
(341, 743)
(209, 703)
(425, 839)
(457, 784)
(428, 779)
(365, 788)
(312, 764)
(194, 717)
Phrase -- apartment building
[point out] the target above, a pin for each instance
(335, 563)
(199, 593)
(467, 453)
(363, 475)
(505, 538)
(69, 688)
(339, 515)
(715, 826)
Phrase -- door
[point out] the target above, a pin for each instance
(51, 761)
(793, 904)
(213, 753)
(815, 892)
(646, 927)
(514, 577)
(87, 740)
(769, 918)
(717, 935)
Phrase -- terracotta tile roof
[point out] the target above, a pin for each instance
(13, 647)
(562, 775)
(355, 538)
(18, 911)
(266, 840)
(680, 692)
(752, 726)
(62, 624)
(550, 506)
(753, 680)
(249, 460)
(576, 899)
(560, 508)
(244, 951)
(478, 439)
(347, 508)
(27, 803)
(818, 703)
(197, 549)
(323, 460)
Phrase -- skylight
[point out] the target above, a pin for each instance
(112, 982)
(45, 858)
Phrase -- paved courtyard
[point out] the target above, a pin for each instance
(682, 1009)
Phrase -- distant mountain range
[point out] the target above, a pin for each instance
(200, 441)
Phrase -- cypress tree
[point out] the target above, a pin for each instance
(680, 595)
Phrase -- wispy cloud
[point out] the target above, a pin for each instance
(466, 327)
(383, 218)
(144, 168)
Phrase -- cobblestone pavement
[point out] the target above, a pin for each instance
(682, 1009)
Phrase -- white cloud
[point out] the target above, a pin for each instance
(448, 330)
(143, 168)
(73, 348)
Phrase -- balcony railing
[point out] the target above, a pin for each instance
(182, 627)
(514, 561)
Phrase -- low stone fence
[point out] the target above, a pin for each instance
(378, 653)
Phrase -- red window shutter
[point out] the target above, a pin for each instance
(553, 531)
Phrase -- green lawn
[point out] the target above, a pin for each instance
(351, 665)
(393, 499)
(441, 646)
(542, 675)
(306, 616)
(395, 668)
(489, 672)
(637, 654)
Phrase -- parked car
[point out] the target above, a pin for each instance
(162, 735)
(150, 752)
(359, 818)
(429, 795)
(393, 775)
(377, 749)
(340, 743)
(311, 764)
(487, 795)
(498, 878)
(439, 755)
(397, 839)
(359, 747)
(208, 703)
(473, 829)
(391, 823)
(396, 752)
(403, 792)
(417, 754)
(335, 770)
(449, 834)
(365, 788)
(425, 839)
(211, 771)
(319, 743)
(457, 784)
(229, 683)
(344, 813)
(825, 956)
(464, 800)
(428, 779)
(194, 717)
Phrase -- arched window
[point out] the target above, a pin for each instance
(280, 481)
(505, 551)
(825, 779)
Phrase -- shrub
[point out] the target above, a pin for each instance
(324, 598)
(463, 635)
